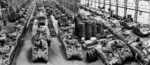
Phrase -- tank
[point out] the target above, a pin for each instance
(57, 13)
(114, 52)
(41, 34)
(52, 32)
(142, 52)
(72, 49)
(107, 54)
(40, 51)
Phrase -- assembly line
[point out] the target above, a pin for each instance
(45, 33)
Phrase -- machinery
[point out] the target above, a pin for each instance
(41, 30)
(90, 43)
(41, 16)
(51, 28)
(41, 34)
(72, 49)
(107, 54)
(62, 22)
(111, 52)
(40, 51)
(142, 32)
(123, 50)
(41, 21)
(9, 43)
(52, 32)
(40, 46)
(142, 51)
(57, 13)
(13, 35)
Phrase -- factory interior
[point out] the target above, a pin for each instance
(74, 32)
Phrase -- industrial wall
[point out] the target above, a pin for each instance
(143, 12)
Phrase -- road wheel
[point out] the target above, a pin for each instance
(88, 56)
(94, 58)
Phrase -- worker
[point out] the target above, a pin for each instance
(49, 43)
(138, 40)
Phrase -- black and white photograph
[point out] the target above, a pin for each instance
(74, 32)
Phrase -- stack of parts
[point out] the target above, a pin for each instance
(100, 30)
(80, 29)
(91, 56)
(88, 29)
(94, 29)
(99, 27)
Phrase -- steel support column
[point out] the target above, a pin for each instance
(149, 16)
(95, 3)
(110, 4)
(116, 7)
(104, 2)
(125, 7)
(136, 10)
(88, 2)
(99, 3)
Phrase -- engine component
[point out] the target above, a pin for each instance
(91, 56)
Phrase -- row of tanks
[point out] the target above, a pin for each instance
(11, 41)
(40, 41)
(70, 44)
(140, 48)
(50, 22)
